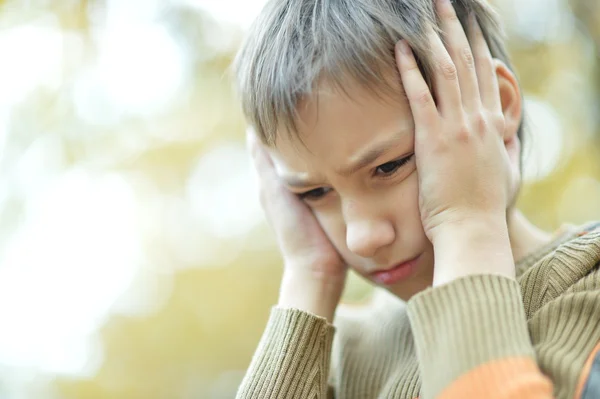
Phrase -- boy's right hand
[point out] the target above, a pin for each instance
(314, 272)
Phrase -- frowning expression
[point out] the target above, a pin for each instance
(353, 164)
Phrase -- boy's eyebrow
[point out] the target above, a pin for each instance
(369, 155)
(295, 181)
(365, 158)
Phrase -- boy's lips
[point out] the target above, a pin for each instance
(396, 273)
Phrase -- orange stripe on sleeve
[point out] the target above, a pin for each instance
(585, 373)
(515, 377)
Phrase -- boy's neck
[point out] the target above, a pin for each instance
(525, 238)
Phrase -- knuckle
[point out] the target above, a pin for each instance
(498, 121)
(480, 123)
(412, 67)
(447, 69)
(485, 61)
(451, 16)
(463, 133)
(422, 98)
(468, 59)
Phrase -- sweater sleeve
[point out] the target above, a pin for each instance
(473, 341)
(292, 359)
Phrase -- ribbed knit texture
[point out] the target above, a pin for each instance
(477, 334)
(498, 327)
(294, 353)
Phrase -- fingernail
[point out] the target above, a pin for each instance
(403, 47)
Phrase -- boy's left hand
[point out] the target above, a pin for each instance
(464, 169)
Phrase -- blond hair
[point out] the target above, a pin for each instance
(294, 44)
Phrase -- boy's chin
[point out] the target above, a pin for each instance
(406, 292)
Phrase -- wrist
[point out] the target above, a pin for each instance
(317, 296)
(480, 246)
(482, 225)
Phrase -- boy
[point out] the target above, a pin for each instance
(391, 145)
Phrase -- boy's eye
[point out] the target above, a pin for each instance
(315, 194)
(390, 168)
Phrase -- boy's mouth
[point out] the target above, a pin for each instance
(396, 273)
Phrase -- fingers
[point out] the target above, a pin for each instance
(485, 69)
(419, 97)
(464, 76)
(262, 161)
(265, 170)
(445, 82)
(461, 54)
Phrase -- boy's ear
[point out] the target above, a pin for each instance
(510, 97)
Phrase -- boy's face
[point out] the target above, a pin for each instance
(369, 209)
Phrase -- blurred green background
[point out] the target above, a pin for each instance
(134, 258)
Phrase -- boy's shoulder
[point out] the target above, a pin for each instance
(567, 265)
(565, 238)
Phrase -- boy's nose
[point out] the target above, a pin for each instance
(365, 237)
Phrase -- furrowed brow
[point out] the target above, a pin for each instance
(368, 156)
(299, 182)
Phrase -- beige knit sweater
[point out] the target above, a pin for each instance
(477, 337)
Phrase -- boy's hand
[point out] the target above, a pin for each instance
(314, 272)
(463, 166)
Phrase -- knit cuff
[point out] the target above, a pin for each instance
(464, 324)
(294, 354)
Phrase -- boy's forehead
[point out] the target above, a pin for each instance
(339, 132)
(295, 166)
(350, 109)
(355, 89)
(335, 122)
(331, 103)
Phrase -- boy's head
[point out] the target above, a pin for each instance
(296, 44)
(319, 85)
